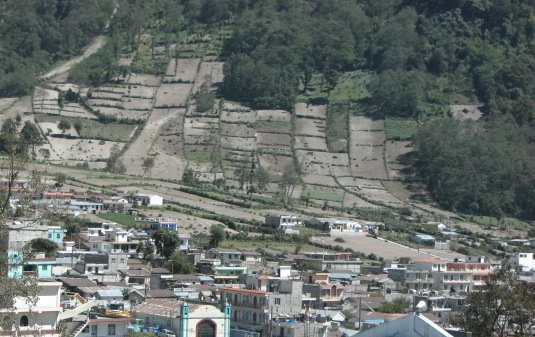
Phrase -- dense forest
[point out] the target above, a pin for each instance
(34, 34)
(422, 56)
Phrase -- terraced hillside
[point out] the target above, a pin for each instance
(342, 160)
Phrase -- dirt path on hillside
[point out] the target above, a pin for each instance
(91, 49)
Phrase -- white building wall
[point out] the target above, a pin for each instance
(525, 260)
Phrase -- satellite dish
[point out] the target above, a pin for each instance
(421, 306)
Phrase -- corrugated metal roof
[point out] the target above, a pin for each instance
(160, 307)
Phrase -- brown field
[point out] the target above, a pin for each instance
(209, 70)
(238, 117)
(171, 68)
(104, 95)
(272, 140)
(351, 200)
(393, 152)
(172, 95)
(145, 80)
(358, 182)
(237, 130)
(273, 115)
(186, 69)
(309, 127)
(141, 92)
(315, 179)
(275, 164)
(323, 163)
(380, 195)
(314, 111)
(310, 143)
(244, 144)
(366, 150)
(137, 103)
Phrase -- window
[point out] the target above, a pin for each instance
(49, 236)
(111, 329)
(112, 260)
(24, 321)
(58, 236)
(45, 267)
(277, 300)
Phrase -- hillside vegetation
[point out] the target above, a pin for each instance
(361, 61)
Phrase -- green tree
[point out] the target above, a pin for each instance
(64, 125)
(290, 178)
(148, 164)
(146, 249)
(114, 164)
(179, 264)
(31, 135)
(190, 176)
(40, 245)
(397, 306)
(261, 178)
(503, 305)
(241, 174)
(217, 235)
(72, 227)
(165, 242)
(78, 126)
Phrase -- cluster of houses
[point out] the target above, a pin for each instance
(99, 286)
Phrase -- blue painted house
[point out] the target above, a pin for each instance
(56, 234)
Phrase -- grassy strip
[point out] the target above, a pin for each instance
(123, 219)
(323, 196)
(400, 129)
(198, 156)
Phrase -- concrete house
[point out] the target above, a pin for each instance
(149, 199)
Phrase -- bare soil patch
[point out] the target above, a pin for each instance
(273, 115)
(358, 183)
(381, 248)
(274, 163)
(172, 95)
(237, 130)
(186, 69)
(212, 71)
(65, 150)
(310, 143)
(244, 144)
(351, 200)
(138, 104)
(394, 150)
(144, 80)
(310, 111)
(382, 196)
(315, 179)
(466, 111)
(22, 106)
(323, 163)
(366, 149)
(140, 91)
(5, 103)
(270, 140)
(309, 127)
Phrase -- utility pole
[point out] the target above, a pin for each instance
(360, 309)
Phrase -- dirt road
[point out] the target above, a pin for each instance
(65, 67)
